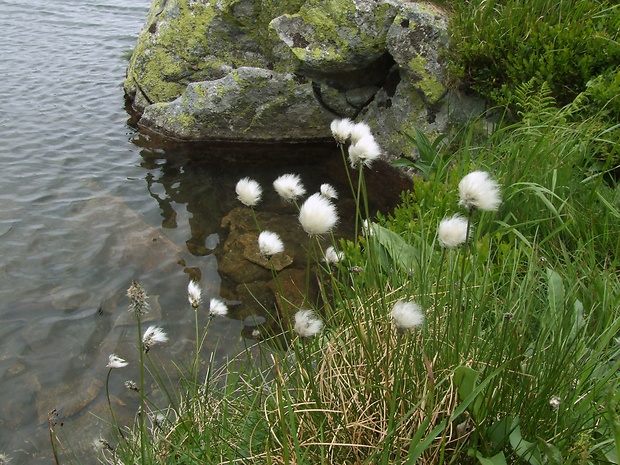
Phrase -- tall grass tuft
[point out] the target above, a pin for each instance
(494, 344)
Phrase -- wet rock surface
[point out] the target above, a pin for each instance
(273, 289)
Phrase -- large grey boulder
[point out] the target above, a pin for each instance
(246, 104)
(252, 70)
(416, 92)
(416, 38)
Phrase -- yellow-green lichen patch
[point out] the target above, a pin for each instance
(185, 44)
(428, 84)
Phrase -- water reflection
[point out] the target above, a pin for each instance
(88, 204)
(194, 186)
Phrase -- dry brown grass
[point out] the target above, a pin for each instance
(369, 392)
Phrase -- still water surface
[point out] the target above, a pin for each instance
(87, 204)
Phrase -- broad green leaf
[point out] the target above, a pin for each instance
(466, 380)
(525, 449)
(404, 254)
(552, 453)
(499, 432)
(497, 459)
(403, 163)
(555, 290)
(579, 321)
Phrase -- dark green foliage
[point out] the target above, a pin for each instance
(498, 45)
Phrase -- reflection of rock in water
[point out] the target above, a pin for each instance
(276, 288)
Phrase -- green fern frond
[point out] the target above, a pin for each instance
(535, 103)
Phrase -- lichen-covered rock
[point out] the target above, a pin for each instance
(415, 93)
(416, 39)
(246, 104)
(186, 41)
(396, 109)
(339, 41)
(400, 107)
(282, 70)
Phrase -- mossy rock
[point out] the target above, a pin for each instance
(336, 37)
(416, 40)
(246, 104)
(185, 41)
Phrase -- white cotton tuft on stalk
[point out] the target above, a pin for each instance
(269, 243)
(318, 215)
(194, 294)
(341, 129)
(248, 192)
(452, 231)
(289, 187)
(307, 324)
(407, 314)
(478, 191)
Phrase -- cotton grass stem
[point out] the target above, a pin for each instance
(461, 307)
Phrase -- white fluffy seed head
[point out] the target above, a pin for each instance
(248, 192)
(341, 129)
(115, 361)
(332, 256)
(217, 308)
(477, 190)
(289, 187)
(364, 151)
(318, 215)
(555, 402)
(359, 131)
(368, 228)
(307, 324)
(153, 335)
(328, 191)
(194, 294)
(269, 243)
(452, 231)
(407, 314)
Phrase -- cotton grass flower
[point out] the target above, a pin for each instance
(368, 228)
(307, 324)
(359, 131)
(341, 129)
(554, 402)
(132, 386)
(194, 294)
(269, 243)
(452, 231)
(328, 191)
(479, 191)
(289, 187)
(99, 445)
(115, 361)
(332, 256)
(137, 299)
(217, 308)
(364, 151)
(407, 314)
(153, 335)
(248, 192)
(318, 215)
